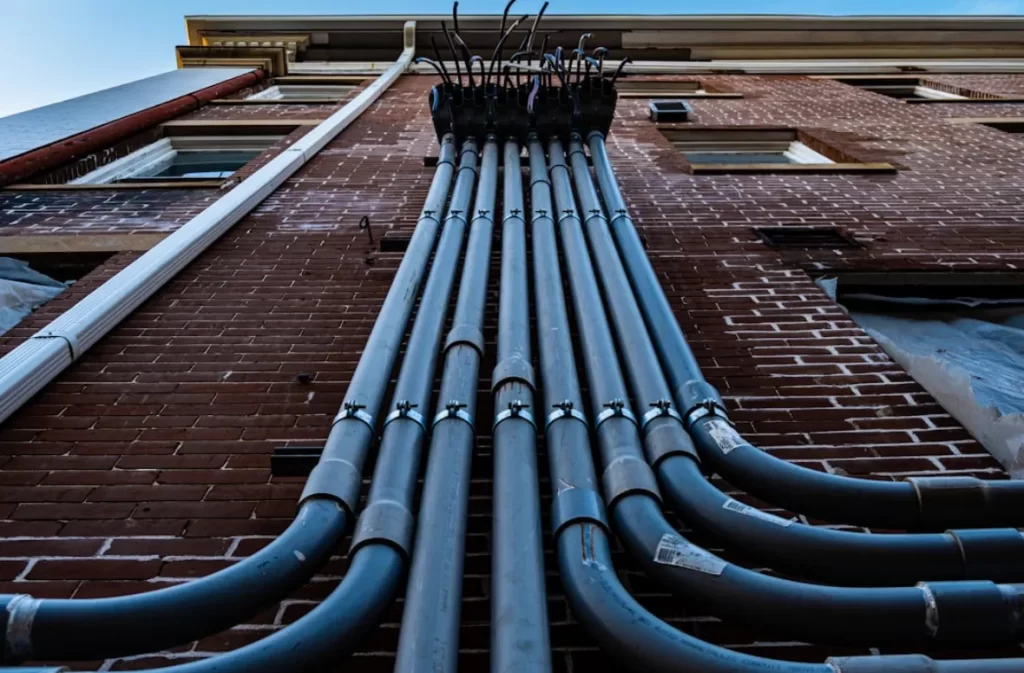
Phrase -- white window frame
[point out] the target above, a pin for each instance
(936, 94)
(156, 156)
(794, 150)
(328, 93)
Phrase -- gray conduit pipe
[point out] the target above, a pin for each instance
(429, 639)
(63, 629)
(817, 553)
(929, 503)
(949, 612)
(641, 641)
(519, 623)
(380, 544)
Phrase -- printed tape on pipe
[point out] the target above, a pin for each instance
(675, 551)
(724, 434)
(747, 510)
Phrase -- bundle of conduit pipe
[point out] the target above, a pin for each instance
(650, 419)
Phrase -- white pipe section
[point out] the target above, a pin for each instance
(29, 367)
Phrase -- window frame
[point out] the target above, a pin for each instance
(163, 151)
(302, 93)
(668, 89)
(788, 142)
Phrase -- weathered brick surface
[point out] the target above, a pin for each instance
(148, 461)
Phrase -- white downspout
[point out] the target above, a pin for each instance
(29, 367)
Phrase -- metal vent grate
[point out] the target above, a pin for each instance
(805, 237)
(669, 110)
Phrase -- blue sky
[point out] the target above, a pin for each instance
(58, 49)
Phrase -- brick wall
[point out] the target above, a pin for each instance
(147, 462)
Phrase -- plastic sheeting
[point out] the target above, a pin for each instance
(967, 352)
(22, 290)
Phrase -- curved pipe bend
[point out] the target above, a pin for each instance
(331, 630)
(933, 503)
(73, 629)
(960, 613)
(645, 644)
(67, 629)
(826, 554)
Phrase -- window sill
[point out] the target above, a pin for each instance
(718, 169)
(274, 101)
(170, 184)
(666, 95)
(918, 101)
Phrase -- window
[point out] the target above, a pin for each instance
(634, 88)
(182, 159)
(314, 93)
(743, 147)
(744, 150)
(960, 336)
(902, 88)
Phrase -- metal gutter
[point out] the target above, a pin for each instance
(28, 368)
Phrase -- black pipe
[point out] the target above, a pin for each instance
(930, 503)
(958, 612)
(818, 553)
(844, 557)
(429, 640)
(640, 640)
(382, 537)
(519, 624)
(69, 629)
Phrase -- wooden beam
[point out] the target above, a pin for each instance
(171, 184)
(24, 245)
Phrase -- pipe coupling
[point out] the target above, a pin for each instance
(467, 334)
(972, 612)
(626, 475)
(576, 505)
(21, 614)
(337, 479)
(385, 521)
(990, 553)
(513, 368)
(890, 663)
(943, 501)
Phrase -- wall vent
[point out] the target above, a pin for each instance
(394, 242)
(667, 111)
(806, 237)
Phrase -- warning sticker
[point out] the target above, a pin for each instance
(675, 551)
(740, 508)
(724, 435)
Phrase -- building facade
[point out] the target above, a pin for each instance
(822, 173)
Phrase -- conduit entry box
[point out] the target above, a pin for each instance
(552, 93)
(516, 111)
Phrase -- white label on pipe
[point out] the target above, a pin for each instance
(740, 508)
(675, 551)
(724, 435)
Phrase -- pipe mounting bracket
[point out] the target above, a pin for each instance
(516, 409)
(455, 409)
(353, 409)
(612, 408)
(565, 409)
(406, 409)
